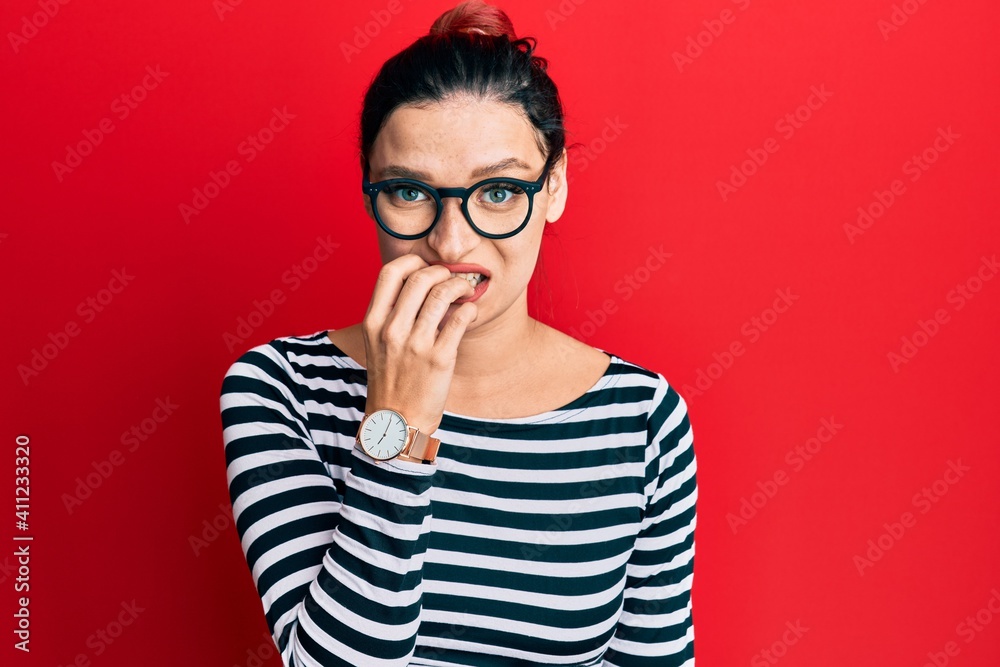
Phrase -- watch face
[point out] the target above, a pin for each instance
(383, 435)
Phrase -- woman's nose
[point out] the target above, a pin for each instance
(452, 236)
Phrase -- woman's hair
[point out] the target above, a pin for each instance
(473, 50)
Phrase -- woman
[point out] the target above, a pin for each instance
(449, 481)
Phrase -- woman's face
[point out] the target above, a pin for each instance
(444, 144)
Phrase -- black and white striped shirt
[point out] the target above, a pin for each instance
(565, 538)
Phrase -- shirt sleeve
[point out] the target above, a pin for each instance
(339, 572)
(656, 625)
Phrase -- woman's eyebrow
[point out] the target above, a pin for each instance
(500, 166)
(399, 171)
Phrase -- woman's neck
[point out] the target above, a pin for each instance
(497, 348)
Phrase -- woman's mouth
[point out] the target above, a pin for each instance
(479, 283)
(473, 278)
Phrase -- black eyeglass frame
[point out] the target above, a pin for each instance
(529, 187)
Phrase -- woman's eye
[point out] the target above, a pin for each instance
(501, 193)
(408, 194)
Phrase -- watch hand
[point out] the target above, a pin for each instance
(383, 435)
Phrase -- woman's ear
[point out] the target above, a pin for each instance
(558, 188)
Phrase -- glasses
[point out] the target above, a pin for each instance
(497, 208)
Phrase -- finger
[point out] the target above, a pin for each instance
(391, 278)
(434, 283)
(455, 326)
(436, 304)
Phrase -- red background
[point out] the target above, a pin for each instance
(671, 131)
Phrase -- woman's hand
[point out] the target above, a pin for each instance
(410, 354)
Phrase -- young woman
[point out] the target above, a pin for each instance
(449, 481)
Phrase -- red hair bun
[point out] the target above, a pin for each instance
(474, 16)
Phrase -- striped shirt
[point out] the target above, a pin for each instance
(565, 538)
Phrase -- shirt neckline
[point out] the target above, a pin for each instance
(540, 417)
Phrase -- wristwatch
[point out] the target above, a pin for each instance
(384, 435)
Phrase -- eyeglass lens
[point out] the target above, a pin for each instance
(495, 208)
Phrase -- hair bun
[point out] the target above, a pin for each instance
(474, 17)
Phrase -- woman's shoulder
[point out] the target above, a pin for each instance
(629, 381)
(294, 359)
(564, 351)
(569, 351)
(648, 391)
(639, 391)
(284, 346)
